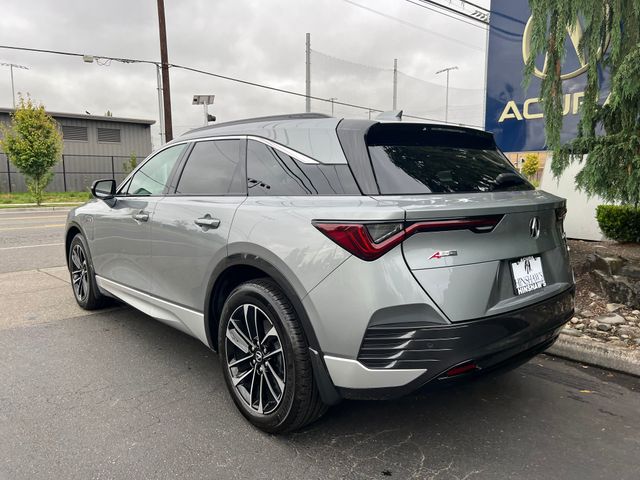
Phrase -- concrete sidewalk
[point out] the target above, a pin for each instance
(36, 296)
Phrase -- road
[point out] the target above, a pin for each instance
(31, 240)
(115, 394)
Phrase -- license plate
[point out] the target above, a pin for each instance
(527, 274)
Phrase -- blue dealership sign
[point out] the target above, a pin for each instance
(514, 114)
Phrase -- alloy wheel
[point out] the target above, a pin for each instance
(255, 359)
(79, 273)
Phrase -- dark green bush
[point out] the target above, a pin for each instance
(619, 222)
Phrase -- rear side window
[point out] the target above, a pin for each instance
(415, 159)
(271, 172)
(213, 168)
(152, 177)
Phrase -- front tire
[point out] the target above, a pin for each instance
(82, 275)
(265, 359)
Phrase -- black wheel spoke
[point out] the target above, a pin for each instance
(255, 359)
(79, 272)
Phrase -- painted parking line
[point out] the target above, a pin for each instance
(33, 246)
(53, 225)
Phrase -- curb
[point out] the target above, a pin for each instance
(44, 208)
(597, 354)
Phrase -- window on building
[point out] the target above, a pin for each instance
(213, 168)
(74, 133)
(152, 177)
(109, 135)
(271, 172)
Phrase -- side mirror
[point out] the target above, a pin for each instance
(104, 189)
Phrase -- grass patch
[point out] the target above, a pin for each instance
(9, 199)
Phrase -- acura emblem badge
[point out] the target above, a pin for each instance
(534, 227)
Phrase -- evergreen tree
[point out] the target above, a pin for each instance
(609, 131)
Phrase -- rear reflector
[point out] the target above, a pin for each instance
(459, 370)
(369, 241)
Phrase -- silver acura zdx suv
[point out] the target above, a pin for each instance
(328, 258)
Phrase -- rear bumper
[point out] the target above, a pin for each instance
(397, 359)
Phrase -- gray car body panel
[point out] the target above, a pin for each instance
(166, 266)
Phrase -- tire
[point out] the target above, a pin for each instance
(283, 396)
(83, 280)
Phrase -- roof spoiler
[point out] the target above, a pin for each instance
(390, 116)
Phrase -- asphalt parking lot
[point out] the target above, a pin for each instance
(115, 394)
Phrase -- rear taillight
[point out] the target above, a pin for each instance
(356, 238)
(561, 213)
(370, 241)
(461, 369)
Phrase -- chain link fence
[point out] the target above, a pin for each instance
(73, 173)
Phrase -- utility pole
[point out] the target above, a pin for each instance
(13, 89)
(395, 84)
(332, 99)
(307, 102)
(446, 105)
(166, 94)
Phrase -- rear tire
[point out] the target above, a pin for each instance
(265, 359)
(83, 280)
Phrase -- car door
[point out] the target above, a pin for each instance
(190, 226)
(121, 246)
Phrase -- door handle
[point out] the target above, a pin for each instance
(207, 222)
(141, 217)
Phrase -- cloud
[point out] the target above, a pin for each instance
(261, 41)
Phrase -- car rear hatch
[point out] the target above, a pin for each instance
(481, 240)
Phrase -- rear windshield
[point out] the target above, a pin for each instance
(415, 159)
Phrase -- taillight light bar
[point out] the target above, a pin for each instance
(370, 241)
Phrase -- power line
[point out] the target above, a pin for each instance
(226, 77)
(413, 25)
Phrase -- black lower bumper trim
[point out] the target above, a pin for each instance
(490, 343)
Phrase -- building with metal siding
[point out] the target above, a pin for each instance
(94, 147)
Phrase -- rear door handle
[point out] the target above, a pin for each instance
(141, 217)
(207, 222)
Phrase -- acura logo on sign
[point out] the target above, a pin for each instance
(534, 227)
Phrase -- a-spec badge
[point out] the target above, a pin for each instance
(443, 253)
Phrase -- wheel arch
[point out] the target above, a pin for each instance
(236, 269)
(72, 230)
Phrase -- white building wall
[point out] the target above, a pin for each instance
(581, 220)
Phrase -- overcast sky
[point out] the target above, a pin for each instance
(257, 40)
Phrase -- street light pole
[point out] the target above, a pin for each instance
(13, 89)
(332, 99)
(446, 107)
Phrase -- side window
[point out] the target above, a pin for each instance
(214, 167)
(271, 172)
(153, 176)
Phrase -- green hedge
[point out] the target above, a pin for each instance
(620, 223)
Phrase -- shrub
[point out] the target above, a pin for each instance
(530, 165)
(619, 222)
